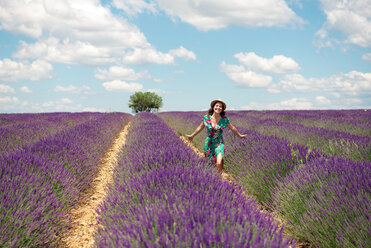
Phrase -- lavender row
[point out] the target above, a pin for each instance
(14, 137)
(330, 142)
(325, 200)
(328, 202)
(165, 196)
(356, 122)
(12, 119)
(257, 162)
(40, 183)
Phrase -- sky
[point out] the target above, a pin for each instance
(91, 55)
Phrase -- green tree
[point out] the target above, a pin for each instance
(145, 102)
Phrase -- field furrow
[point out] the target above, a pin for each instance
(165, 196)
(42, 182)
(324, 199)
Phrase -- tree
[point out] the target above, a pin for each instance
(145, 102)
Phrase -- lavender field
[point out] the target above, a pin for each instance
(312, 169)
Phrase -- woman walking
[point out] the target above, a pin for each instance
(215, 122)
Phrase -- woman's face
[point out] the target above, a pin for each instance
(218, 107)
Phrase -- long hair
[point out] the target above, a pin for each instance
(210, 112)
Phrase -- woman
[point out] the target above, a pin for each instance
(215, 122)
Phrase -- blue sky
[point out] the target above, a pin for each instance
(92, 55)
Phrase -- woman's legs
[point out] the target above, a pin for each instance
(219, 163)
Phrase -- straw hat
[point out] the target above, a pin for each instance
(218, 100)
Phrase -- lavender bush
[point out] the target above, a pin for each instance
(325, 199)
(351, 121)
(330, 142)
(257, 163)
(12, 119)
(23, 132)
(165, 196)
(328, 202)
(42, 181)
(260, 162)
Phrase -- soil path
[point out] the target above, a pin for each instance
(229, 178)
(84, 216)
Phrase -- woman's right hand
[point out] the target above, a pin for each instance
(189, 137)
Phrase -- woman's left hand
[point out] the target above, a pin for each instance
(242, 136)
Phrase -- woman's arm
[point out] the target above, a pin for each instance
(198, 129)
(235, 131)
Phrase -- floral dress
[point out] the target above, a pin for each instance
(214, 143)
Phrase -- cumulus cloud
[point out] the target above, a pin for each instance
(66, 51)
(245, 78)
(8, 99)
(181, 52)
(66, 100)
(25, 89)
(67, 31)
(13, 71)
(133, 7)
(277, 64)
(118, 85)
(152, 56)
(85, 20)
(121, 72)
(293, 103)
(351, 18)
(81, 32)
(367, 57)
(6, 89)
(216, 14)
(322, 100)
(83, 90)
(353, 83)
(92, 109)
(147, 56)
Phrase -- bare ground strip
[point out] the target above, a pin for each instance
(84, 216)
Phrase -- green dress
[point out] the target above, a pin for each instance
(214, 143)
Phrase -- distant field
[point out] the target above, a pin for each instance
(312, 169)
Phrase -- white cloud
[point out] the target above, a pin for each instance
(121, 72)
(118, 85)
(216, 14)
(92, 109)
(353, 83)
(66, 101)
(277, 64)
(181, 52)
(152, 56)
(133, 7)
(14, 71)
(8, 99)
(68, 31)
(67, 51)
(6, 89)
(322, 100)
(245, 78)
(84, 20)
(367, 57)
(48, 104)
(147, 56)
(293, 103)
(351, 18)
(25, 89)
(159, 91)
(84, 90)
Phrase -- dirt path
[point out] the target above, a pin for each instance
(84, 216)
(229, 178)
